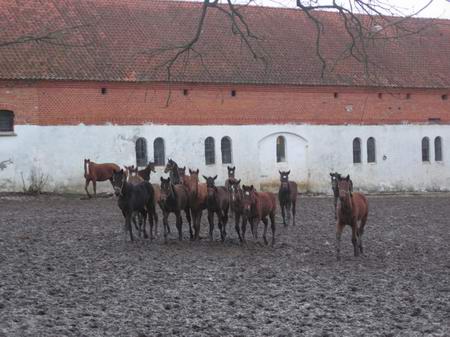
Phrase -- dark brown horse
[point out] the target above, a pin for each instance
(172, 169)
(352, 210)
(135, 179)
(98, 172)
(334, 186)
(133, 199)
(217, 202)
(198, 194)
(181, 173)
(287, 196)
(174, 199)
(236, 197)
(145, 173)
(231, 177)
(258, 206)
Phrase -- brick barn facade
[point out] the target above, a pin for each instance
(94, 88)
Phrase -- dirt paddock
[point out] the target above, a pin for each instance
(66, 269)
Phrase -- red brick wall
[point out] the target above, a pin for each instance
(53, 103)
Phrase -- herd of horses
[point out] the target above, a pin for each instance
(180, 192)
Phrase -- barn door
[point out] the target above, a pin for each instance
(282, 151)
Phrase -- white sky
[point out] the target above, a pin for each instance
(437, 9)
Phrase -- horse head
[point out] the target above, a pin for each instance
(151, 167)
(249, 198)
(345, 187)
(211, 186)
(182, 171)
(170, 166)
(235, 189)
(284, 179)
(231, 171)
(118, 181)
(334, 179)
(167, 190)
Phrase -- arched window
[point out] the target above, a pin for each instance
(438, 149)
(281, 149)
(225, 145)
(159, 156)
(6, 121)
(371, 157)
(425, 149)
(357, 150)
(141, 152)
(210, 153)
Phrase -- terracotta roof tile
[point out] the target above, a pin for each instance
(109, 40)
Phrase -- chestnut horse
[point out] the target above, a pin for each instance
(258, 206)
(217, 202)
(198, 194)
(172, 169)
(236, 197)
(334, 186)
(287, 196)
(352, 208)
(174, 199)
(98, 172)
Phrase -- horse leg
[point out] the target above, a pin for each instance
(86, 185)
(221, 226)
(288, 211)
(94, 185)
(355, 238)
(144, 220)
(253, 227)
(188, 218)
(361, 232)
(211, 224)
(128, 224)
(339, 229)
(237, 217)
(165, 225)
(244, 228)
(266, 224)
(198, 218)
(179, 225)
(283, 214)
(272, 223)
(137, 222)
(335, 207)
(293, 212)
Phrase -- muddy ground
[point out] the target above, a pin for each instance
(67, 270)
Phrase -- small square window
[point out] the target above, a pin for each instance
(185, 92)
(233, 93)
(104, 91)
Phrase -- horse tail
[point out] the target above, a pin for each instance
(85, 169)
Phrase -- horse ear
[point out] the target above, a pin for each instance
(348, 177)
(234, 167)
(204, 177)
(198, 171)
(331, 174)
(288, 172)
(228, 167)
(239, 181)
(215, 177)
(162, 179)
(251, 187)
(280, 172)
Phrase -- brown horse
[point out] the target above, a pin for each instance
(217, 202)
(287, 196)
(236, 197)
(352, 208)
(98, 172)
(174, 199)
(198, 194)
(334, 186)
(258, 206)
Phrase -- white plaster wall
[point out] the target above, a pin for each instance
(312, 152)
